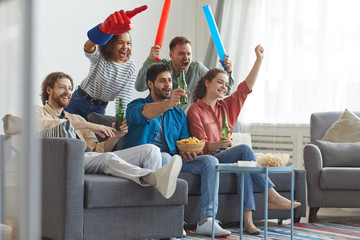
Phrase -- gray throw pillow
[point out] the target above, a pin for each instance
(340, 154)
(63, 130)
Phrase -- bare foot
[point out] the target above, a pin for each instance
(276, 201)
(249, 226)
(286, 207)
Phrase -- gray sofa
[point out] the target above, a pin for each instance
(333, 169)
(229, 210)
(97, 206)
(229, 207)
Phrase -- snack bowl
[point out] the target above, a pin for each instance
(272, 159)
(194, 145)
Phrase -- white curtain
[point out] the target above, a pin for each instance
(311, 56)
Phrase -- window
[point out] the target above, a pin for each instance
(311, 59)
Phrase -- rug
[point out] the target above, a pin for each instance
(308, 231)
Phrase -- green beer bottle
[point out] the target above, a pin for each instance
(226, 130)
(119, 116)
(183, 85)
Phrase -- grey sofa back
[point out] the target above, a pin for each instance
(320, 122)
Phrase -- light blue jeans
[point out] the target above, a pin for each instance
(203, 165)
(244, 152)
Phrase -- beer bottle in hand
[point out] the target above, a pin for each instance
(183, 85)
(226, 130)
(119, 116)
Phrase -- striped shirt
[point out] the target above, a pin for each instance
(109, 80)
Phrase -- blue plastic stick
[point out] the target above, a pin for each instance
(214, 33)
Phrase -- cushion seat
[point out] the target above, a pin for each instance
(340, 178)
(104, 191)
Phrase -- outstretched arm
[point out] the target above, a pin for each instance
(155, 109)
(251, 78)
(116, 23)
(99, 129)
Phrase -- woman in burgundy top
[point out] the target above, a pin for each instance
(205, 119)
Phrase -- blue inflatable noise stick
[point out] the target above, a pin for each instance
(214, 33)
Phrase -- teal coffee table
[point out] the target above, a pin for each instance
(232, 168)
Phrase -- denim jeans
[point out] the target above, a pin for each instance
(244, 152)
(83, 107)
(203, 165)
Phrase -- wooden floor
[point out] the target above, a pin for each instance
(335, 215)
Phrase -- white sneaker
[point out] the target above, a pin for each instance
(184, 233)
(166, 176)
(206, 228)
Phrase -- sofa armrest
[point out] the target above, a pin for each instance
(313, 164)
(62, 188)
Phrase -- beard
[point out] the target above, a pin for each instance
(158, 93)
(60, 102)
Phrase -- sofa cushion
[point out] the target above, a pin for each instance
(340, 154)
(238, 138)
(102, 191)
(345, 129)
(340, 178)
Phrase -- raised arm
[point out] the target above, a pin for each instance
(89, 46)
(228, 66)
(251, 78)
(116, 23)
(140, 84)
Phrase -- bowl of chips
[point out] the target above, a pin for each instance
(191, 144)
(272, 159)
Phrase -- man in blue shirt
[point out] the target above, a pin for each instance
(156, 119)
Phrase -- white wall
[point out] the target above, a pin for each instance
(61, 28)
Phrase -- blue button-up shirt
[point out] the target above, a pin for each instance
(142, 130)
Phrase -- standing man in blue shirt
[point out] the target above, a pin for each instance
(156, 119)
